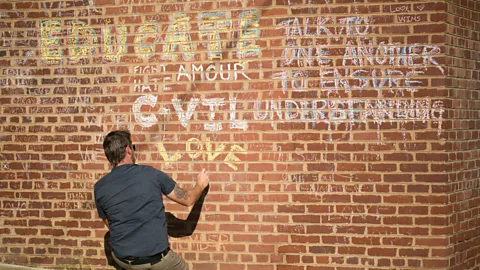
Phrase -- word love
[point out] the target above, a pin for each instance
(194, 148)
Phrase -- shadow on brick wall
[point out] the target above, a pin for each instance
(180, 228)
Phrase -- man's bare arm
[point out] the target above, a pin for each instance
(180, 193)
(190, 196)
(185, 197)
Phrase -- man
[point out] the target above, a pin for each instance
(129, 200)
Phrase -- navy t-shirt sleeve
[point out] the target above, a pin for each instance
(167, 184)
(100, 211)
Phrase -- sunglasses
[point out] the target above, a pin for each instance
(133, 147)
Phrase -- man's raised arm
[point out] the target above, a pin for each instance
(190, 196)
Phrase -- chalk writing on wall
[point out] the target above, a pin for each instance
(50, 41)
(144, 120)
(213, 72)
(4, 163)
(196, 149)
(358, 53)
(249, 23)
(177, 38)
(83, 38)
(114, 46)
(213, 242)
(193, 72)
(145, 32)
(314, 111)
(349, 26)
(142, 86)
(211, 25)
(185, 116)
(364, 64)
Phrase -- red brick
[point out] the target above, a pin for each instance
(383, 252)
(399, 191)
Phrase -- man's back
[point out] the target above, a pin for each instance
(130, 195)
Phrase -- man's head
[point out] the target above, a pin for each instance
(117, 145)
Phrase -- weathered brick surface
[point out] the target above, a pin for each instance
(463, 44)
(339, 134)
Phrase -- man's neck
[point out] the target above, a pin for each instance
(124, 162)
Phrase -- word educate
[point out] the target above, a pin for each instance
(82, 38)
(314, 111)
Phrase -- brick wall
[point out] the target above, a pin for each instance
(463, 81)
(339, 134)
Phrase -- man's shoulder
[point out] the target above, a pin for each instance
(152, 170)
(146, 168)
(105, 179)
(138, 169)
(101, 181)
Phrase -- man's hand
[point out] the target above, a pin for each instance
(190, 196)
(202, 179)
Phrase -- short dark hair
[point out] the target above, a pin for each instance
(114, 146)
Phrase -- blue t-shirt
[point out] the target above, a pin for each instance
(130, 197)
